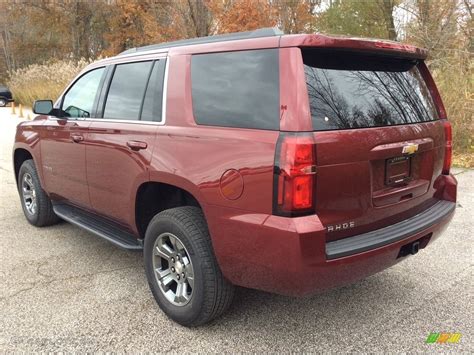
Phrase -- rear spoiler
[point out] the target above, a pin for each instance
(357, 44)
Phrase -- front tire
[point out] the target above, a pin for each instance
(181, 268)
(3, 102)
(36, 204)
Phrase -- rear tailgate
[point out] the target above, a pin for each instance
(379, 140)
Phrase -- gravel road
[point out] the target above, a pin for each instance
(63, 289)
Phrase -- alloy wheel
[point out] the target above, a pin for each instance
(173, 269)
(29, 194)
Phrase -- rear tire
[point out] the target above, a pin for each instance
(177, 245)
(3, 102)
(36, 204)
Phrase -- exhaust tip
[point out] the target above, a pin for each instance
(415, 247)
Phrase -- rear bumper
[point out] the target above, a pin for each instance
(290, 255)
(391, 234)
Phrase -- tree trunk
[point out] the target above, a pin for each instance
(387, 8)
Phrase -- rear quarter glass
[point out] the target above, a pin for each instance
(236, 89)
(350, 90)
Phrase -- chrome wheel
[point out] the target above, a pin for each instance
(29, 194)
(173, 269)
(3, 103)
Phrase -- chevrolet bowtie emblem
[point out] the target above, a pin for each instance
(410, 149)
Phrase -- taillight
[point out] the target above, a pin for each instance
(294, 174)
(448, 150)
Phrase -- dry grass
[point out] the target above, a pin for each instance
(463, 160)
(43, 81)
(455, 82)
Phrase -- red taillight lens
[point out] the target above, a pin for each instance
(448, 150)
(294, 174)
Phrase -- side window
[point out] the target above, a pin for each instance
(79, 100)
(152, 103)
(237, 89)
(125, 96)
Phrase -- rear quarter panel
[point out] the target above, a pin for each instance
(198, 156)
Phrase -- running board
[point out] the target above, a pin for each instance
(98, 226)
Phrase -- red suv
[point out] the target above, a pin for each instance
(286, 163)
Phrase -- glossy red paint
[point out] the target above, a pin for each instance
(115, 170)
(359, 44)
(287, 255)
(64, 160)
(103, 172)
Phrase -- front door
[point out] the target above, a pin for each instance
(63, 149)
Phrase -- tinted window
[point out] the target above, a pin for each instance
(79, 100)
(237, 89)
(357, 91)
(154, 93)
(125, 96)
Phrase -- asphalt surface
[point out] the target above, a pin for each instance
(63, 289)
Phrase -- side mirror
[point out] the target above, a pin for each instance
(43, 107)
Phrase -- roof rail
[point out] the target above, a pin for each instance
(261, 32)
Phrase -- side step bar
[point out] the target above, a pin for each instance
(98, 226)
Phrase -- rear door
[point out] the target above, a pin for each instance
(63, 148)
(120, 143)
(379, 142)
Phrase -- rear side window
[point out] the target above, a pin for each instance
(153, 100)
(126, 91)
(348, 90)
(236, 89)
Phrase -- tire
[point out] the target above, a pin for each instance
(3, 102)
(211, 294)
(36, 204)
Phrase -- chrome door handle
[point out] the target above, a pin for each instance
(137, 145)
(77, 138)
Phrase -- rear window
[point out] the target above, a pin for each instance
(349, 90)
(236, 89)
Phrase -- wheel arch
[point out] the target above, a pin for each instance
(20, 155)
(155, 196)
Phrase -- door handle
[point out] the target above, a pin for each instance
(137, 145)
(77, 138)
